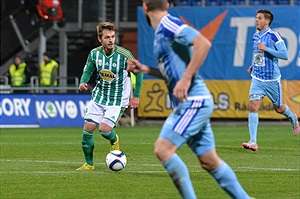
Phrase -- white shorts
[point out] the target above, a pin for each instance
(98, 113)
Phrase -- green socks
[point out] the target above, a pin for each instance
(88, 143)
(111, 136)
(88, 146)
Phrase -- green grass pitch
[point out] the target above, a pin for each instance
(40, 163)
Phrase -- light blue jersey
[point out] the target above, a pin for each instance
(266, 80)
(265, 66)
(190, 120)
(173, 48)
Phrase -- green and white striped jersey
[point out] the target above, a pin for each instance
(113, 85)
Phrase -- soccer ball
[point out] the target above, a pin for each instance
(116, 160)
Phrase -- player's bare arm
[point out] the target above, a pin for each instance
(201, 49)
(135, 66)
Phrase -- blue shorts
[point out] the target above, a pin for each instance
(272, 89)
(190, 123)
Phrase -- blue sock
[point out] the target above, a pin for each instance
(288, 113)
(180, 176)
(227, 180)
(252, 125)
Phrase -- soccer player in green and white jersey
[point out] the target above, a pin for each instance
(111, 95)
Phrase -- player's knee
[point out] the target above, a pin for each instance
(162, 155)
(157, 150)
(105, 128)
(209, 166)
(164, 149)
(210, 161)
(89, 126)
(279, 109)
(254, 105)
(205, 166)
(253, 108)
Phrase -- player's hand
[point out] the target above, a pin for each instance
(134, 102)
(83, 87)
(249, 70)
(261, 46)
(134, 66)
(181, 89)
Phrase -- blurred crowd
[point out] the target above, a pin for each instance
(21, 71)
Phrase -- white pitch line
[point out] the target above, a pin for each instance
(79, 172)
(242, 169)
(62, 162)
(149, 143)
(274, 149)
(265, 169)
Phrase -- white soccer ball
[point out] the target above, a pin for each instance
(116, 160)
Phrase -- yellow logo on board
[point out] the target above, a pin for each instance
(107, 75)
(296, 98)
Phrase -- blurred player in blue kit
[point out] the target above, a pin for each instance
(180, 51)
(268, 47)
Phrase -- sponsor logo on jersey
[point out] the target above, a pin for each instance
(107, 75)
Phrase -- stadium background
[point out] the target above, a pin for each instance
(230, 28)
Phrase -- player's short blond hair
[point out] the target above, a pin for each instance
(105, 26)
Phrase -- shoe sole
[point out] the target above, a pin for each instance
(296, 132)
(246, 146)
(85, 169)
